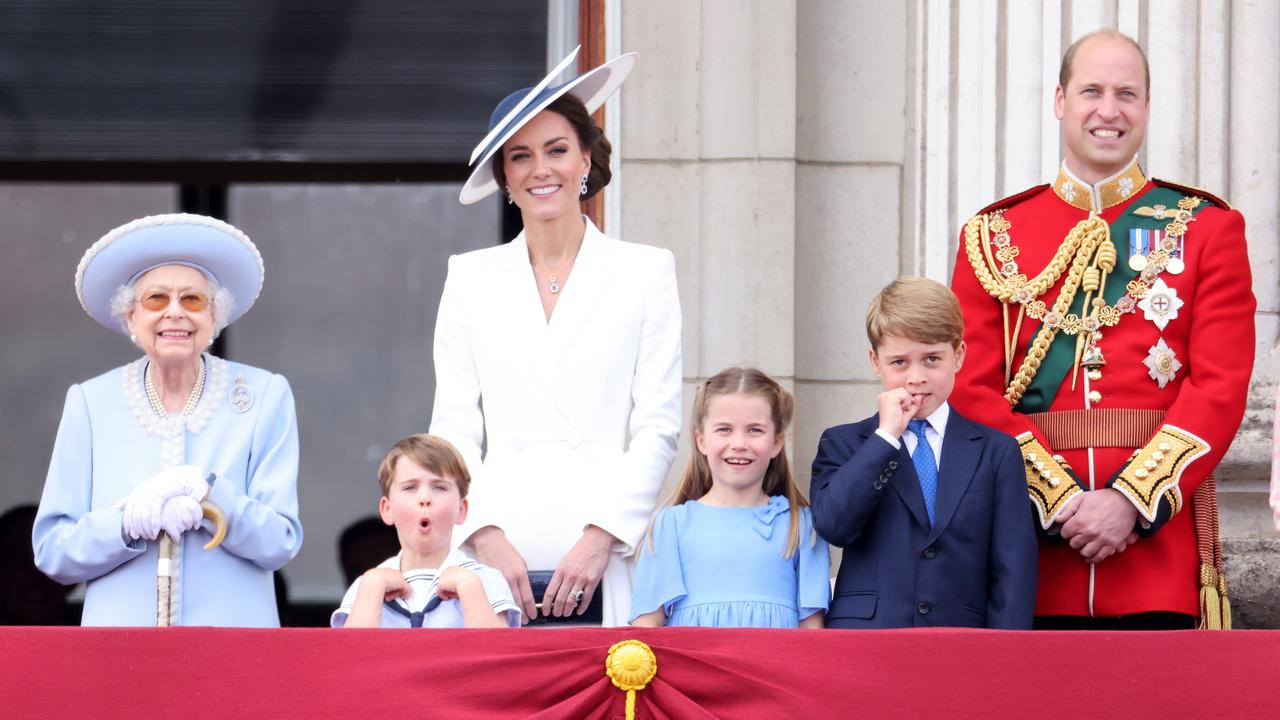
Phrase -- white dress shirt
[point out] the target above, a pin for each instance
(933, 433)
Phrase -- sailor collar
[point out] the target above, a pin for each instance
(1095, 198)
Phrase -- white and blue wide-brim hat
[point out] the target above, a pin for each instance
(592, 88)
(124, 254)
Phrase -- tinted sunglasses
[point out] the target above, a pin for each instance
(156, 300)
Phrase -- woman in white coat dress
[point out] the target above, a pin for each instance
(559, 354)
(137, 443)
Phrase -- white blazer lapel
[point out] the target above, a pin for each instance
(520, 293)
(592, 271)
(530, 322)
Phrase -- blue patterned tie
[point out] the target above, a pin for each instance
(926, 466)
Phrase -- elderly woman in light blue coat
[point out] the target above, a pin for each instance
(141, 446)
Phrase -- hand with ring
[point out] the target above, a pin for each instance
(577, 578)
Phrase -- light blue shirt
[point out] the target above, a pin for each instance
(244, 430)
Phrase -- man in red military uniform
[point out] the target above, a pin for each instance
(1109, 320)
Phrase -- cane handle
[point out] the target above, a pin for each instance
(214, 513)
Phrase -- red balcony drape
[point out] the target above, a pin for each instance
(224, 674)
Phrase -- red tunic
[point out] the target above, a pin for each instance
(1213, 338)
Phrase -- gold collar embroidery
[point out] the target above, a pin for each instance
(1095, 198)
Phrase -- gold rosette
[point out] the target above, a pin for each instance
(631, 665)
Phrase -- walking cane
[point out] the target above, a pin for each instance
(164, 566)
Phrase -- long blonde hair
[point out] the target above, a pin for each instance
(778, 480)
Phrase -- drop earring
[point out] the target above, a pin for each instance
(510, 200)
(582, 189)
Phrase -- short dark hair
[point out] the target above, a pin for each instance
(1064, 72)
(590, 137)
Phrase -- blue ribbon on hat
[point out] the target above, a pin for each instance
(592, 88)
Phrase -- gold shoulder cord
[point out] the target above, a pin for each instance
(1091, 255)
(1009, 286)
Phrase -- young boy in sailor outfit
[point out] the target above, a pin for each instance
(424, 495)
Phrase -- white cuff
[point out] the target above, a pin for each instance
(895, 442)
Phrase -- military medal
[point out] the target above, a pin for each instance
(1168, 240)
(1142, 243)
(1161, 304)
(1173, 246)
(1162, 364)
(241, 396)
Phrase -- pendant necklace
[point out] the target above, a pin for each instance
(555, 276)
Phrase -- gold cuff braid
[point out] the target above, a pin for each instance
(1154, 471)
(1049, 484)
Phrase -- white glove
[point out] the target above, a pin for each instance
(191, 479)
(143, 507)
(141, 519)
(180, 514)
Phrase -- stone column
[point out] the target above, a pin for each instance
(850, 145)
(1249, 158)
(708, 143)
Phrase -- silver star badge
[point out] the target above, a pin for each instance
(1160, 304)
(1161, 363)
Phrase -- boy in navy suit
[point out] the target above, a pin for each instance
(930, 508)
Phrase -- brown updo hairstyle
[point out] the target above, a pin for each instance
(590, 137)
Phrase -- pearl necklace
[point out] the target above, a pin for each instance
(153, 396)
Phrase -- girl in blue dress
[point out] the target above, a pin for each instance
(735, 546)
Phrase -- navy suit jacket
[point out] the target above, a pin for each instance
(975, 567)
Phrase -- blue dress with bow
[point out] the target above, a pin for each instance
(711, 566)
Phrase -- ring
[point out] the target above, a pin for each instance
(577, 596)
